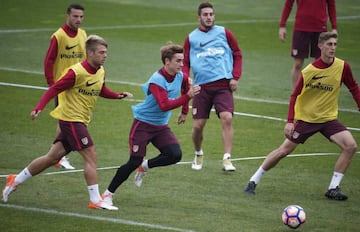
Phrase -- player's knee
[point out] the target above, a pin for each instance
(198, 125)
(177, 156)
(176, 153)
(134, 162)
(173, 151)
(351, 147)
(196, 130)
(298, 64)
(226, 116)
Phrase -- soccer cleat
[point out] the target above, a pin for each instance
(140, 173)
(107, 198)
(64, 163)
(336, 194)
(10, 186)
(102, 205)
(198, 162)
(250, 188)
(228, 166)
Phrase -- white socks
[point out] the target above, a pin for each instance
(257, 175)
(107, 192)
(226, 156)
(94, 193)
(23, 176)
(145, 165)
(335, 180)
(199, 152)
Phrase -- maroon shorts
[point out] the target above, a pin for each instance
(304, 130)
(221, 98)
(305, 43)
(142, 133)
(74, 136)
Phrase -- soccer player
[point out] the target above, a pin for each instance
(314, 108)
(79, 89)
(215, 58)
(151, 119)
(310, 20)
(67, 47)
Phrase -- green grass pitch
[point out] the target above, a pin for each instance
(174, 198)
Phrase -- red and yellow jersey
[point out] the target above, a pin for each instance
(71, 50)
(318, 100)
(76, 104)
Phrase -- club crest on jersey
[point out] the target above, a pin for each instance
(135, 148)
(85, 141)
(295, 135)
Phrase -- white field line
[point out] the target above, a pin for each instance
(136, 26)
(139, 84)
(97, 218)
(123, 221)
(36, 30)
(138, 100)
(189, 162)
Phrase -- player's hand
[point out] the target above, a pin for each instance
(190, 80)
(289, 130)
(125, 94)
(194, 90)
(34, 114)
(233, 85)
(181, 118)
(282, 34)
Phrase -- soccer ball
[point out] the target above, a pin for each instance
(293, 216)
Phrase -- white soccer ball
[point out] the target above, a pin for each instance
(293, 216)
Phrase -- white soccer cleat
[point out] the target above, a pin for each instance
(228, 166)
(102, 205)
(198, 162)
(107, 198)
(64, 163)
(10, 187)
(140, 173)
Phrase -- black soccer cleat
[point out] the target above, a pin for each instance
(336, 194)
(250, 188)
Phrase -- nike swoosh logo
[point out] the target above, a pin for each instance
(67, 47)
(317, 78)
(204, 44)
(90, 84)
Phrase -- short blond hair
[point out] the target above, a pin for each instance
(93, 41)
